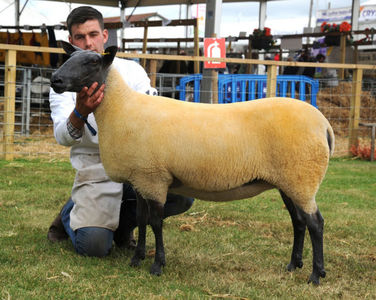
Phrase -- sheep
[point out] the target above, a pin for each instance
(214, 152)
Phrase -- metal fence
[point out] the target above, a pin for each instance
(32, 90)
(244, 87)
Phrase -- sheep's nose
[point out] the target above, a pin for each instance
(55, 78)
(57, 83)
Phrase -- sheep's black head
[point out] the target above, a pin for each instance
(83, 68)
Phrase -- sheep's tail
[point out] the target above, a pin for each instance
(331, 139)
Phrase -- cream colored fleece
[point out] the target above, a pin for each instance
(212, 149)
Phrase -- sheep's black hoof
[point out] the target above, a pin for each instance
(293, 265)
(315, 277)
(156, 269)
(136, 260)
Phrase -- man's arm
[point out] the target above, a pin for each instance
(68, 127)
(86, 103)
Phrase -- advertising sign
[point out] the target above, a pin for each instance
(367, 13)
(333, 15)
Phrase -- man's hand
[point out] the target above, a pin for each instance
(86, 103)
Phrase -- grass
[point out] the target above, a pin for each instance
(234, 250)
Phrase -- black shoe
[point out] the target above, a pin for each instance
(123, 235)
(56, 232)
(126, 240)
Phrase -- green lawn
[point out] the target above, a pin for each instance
(234, 250)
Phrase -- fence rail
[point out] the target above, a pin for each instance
(167, 85)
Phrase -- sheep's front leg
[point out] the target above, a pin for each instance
(299, 226)
(142, 221)
(156, 222)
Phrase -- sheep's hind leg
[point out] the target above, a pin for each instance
(156, 222)
(299, 226)
(142, 221)
(315, 224)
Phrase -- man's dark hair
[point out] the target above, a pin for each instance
(82, 14)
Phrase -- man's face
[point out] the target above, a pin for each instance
(89, 36)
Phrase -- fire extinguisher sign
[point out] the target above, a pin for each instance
(214, 47)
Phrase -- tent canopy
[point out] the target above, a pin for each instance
(139, 3)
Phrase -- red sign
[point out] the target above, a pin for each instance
(214, 47)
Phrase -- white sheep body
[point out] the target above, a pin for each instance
(214, 150)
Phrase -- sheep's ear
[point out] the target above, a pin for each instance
(108, 55)
(69, 48)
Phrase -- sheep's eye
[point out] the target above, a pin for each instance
(94, 62)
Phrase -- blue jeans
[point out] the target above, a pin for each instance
(97, 241)
(90, 241)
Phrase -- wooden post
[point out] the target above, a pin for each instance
(249, 66)
(144, 45)
(271, 85)
(343, 55)
(373, 133)
(196, 65)
(153, 72)
(215, 86)
(9, 105)
(355, 107)
(229, 46)
(179, 62)
(356, 54)
(280, 69)
(122, 44)
(214, 81)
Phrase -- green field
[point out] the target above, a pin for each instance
(234, 250)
